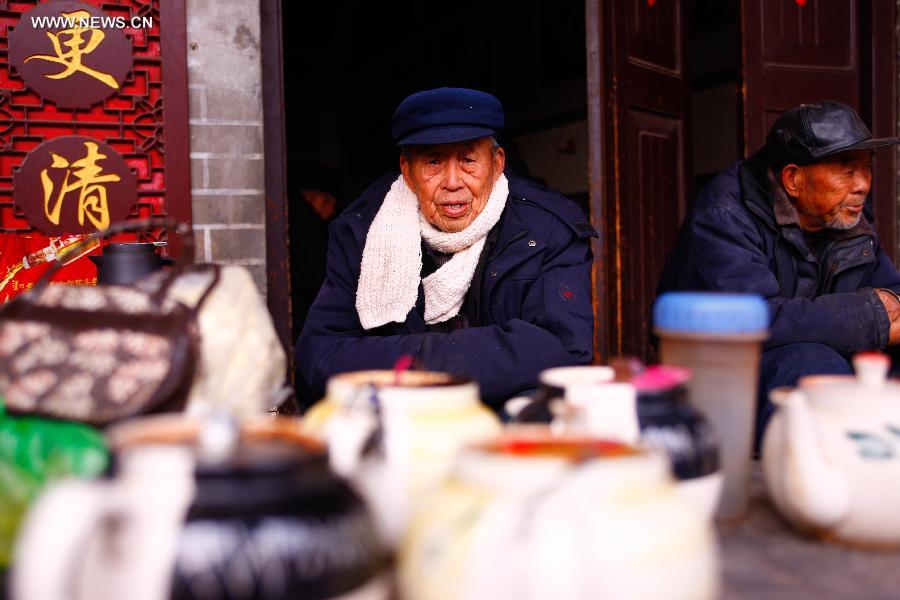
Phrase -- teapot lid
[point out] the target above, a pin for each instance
(130, 248)
(571, 448)
(244, 453)
(529, 459)
(238, 467)
(659, 379)
(711, 312)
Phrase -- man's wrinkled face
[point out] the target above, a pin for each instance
(830, 194)
(452, 181)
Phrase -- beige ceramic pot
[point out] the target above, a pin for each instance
(530, 516)
(395, 435)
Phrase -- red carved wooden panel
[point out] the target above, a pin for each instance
(145, 121)
(652, 33)
(796, 54)
(644, 94)
(814, 34)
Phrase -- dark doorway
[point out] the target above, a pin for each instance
(714, 59)
(348, 64)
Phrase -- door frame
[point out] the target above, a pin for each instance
(596, 92)
(883, 18)
(278, 264)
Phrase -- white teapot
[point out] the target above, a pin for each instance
(831, 454)
(395, 435)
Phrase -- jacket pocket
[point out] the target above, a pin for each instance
(508, 298)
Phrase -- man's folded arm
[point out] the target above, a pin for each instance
(556, 329)
(732, 261)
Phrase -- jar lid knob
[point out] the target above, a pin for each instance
(871, 368)
(219, 437)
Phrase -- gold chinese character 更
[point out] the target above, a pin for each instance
(89, 183)
(76, 46)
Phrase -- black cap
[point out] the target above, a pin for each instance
(811, 132)
(445, 116)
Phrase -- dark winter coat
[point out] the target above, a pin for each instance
(739, 238)
(531, 296)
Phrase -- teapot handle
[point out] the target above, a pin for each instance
(49, 544)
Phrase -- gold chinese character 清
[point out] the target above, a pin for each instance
(89, 183)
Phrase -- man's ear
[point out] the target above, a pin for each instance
(792, 179)
(404, 169)
(499, 162)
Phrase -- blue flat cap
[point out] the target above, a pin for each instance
(445, 116)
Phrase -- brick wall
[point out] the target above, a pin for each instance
(226, 122)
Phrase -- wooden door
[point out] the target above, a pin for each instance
(638, 114)
(842, 50)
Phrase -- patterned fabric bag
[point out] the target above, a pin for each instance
(99, 354)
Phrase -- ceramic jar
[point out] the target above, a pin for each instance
(669, 424)
(200, 513)
(532, 516)
(395, 434)
(552, 384)
(636, 404)
(831, 454)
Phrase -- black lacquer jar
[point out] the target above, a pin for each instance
(670, 424)
(269, 519)
(271, 524)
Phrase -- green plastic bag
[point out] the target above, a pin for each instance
(34, 451)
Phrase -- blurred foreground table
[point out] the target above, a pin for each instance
(763, 557)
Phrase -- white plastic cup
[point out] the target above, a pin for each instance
(719, 338)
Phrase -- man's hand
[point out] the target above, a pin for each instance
(892, 306)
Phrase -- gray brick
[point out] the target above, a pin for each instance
(198, 173)
(226, 139)
(196, 103)
(223, 43)
(248, 209)
(211, 209)
(236, 174)
(229, 209)
(199, 245)
(232, 244)
(241, 105)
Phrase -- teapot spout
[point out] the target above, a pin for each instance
(816, 491)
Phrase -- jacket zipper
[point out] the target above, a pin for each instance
(847, 267)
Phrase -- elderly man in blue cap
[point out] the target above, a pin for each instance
(466, 268)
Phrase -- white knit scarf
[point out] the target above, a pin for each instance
(392, 259)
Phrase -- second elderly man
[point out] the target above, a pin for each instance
(793, 223)
(467, 268)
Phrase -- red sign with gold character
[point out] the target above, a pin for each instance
(92, 69)
(74, 184)
(71, 53)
